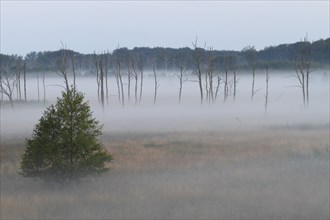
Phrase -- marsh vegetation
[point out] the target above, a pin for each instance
(254, 173)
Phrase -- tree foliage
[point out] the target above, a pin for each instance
(64, 143)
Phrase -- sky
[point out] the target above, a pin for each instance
(88, 26)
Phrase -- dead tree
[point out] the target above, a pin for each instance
(130, 74)
(62, 63)
(24, 78)
(141, 76)
(136, 75)
(250, 54)
(198, 57)
(219, 79)
(118, 74)
(44, 86)
(38, 86)
(18, 78)
(266, 94)
(181, 63)
(235, 78)
(73, 64)
(137, 71)
(106, 65)
(156, 83)
(303, 68)
(96, 64)
(225, 79)
(101, 82)
(210, 64)
(101, 63)
(8, 82)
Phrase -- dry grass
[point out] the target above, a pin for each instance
(269, 173)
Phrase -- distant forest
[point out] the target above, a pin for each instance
(166, 59)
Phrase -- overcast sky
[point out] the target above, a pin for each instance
(87, 26)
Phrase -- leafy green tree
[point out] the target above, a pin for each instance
(64, 143)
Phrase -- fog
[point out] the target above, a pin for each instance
(285, 105)
(184, 160)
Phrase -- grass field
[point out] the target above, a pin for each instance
(274, 172)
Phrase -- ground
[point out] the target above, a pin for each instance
(270, 172)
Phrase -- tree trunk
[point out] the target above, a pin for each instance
(24, 76)
(44, 86)
(122, 88)
(97, 76)
(141, 75)
(235, 85)
(217, 88)
(129, 73)
(266, 95)
(101, 82)
(253, 80)
(38, 86)
(156, 84)
(18, 72)
(200, 85)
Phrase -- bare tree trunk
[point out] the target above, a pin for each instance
(235, 85)
(217, 88)
(156, 84)
(24, 76)
(308, 52)
(122, 89)
(199, 74)
(211, 94)
(180, 76)
(225, 88)
(7, 85)
(307, 87)
(235, 79)
(106, 76)
(121, 95)
(136, 76)
(62, 67)
(301, 79)
(250, 54)
(266, 95)
(198, 58)
(129, 84)
(101, 82)
(118, 86)
(141, 76)
(302, 67)
(73, 61)
(129, 64)
(141, 86)
(303, 87)
(180, 89)
(96, 63)
(38, 86)
(44, 86)
(209, 74)
(253, 80)
(18, 75)
(136, 87)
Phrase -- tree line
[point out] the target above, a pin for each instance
(276, 57)
(214, 70)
